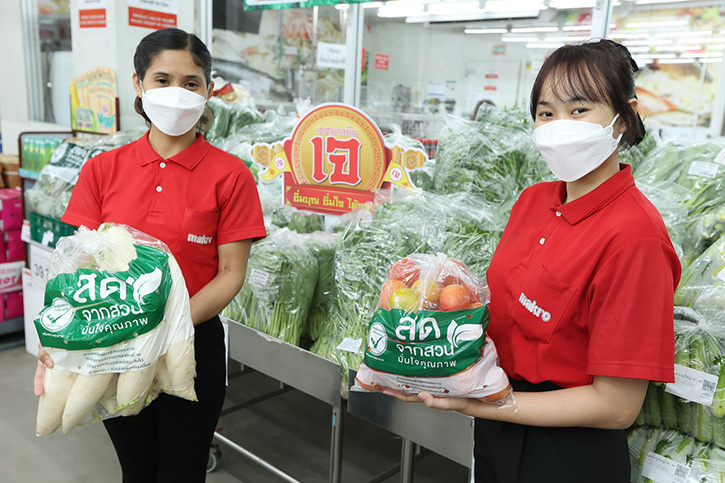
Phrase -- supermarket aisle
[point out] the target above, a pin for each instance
(291, 431)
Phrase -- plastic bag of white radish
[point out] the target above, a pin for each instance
(116, 322)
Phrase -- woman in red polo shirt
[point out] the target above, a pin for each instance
(592, 255)
(203, 203)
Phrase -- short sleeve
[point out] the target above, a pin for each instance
(84, 207)
(240, 216)
(631, 323)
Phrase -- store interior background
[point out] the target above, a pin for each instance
(422, 58)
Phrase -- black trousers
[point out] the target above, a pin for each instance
(169, 440)
(512, 453)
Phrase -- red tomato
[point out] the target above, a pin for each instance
(388, 288)
(454, 297)
(453, 272)
(405, 270)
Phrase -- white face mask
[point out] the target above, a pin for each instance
(173, 110)
(573, 149)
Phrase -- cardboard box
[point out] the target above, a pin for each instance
(14, 246)
(10, 170)
(11, 209)
(13, 304)
(33, 294)
(11, 276)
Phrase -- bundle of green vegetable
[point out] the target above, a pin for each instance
(657, 453)
(698, 166)
(117, 324)
(466, 228)
(635, 155)
(669, 198)
(229, 118)
(49, 196)
(493, 157)
(696, 409)
(702, 284)
(278, 287)
(323, 246)
(301, 221)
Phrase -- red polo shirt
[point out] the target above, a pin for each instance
(585, 288)
(194, 201)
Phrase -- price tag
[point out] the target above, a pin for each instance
(39, 265)
(350, 345)
(704, 169)
(693, 385)
(258, 278)
(664, 470)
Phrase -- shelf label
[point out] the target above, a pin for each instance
(664, 470)
(350, 345)
(693, 385)
(703, 169)
(258, 278)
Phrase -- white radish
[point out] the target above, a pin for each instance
(163, 381)
(132, 388)
(180, 365)
(85, 393)
(108, 399)
(57, 383)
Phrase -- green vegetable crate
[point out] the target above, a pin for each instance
(46, 230)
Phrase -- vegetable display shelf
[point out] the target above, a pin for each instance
(295, 367)
(449, 434)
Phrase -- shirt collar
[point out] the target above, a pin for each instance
(188, 158)
(579, 209)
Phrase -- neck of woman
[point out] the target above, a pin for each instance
(577, 189)
(167, 146)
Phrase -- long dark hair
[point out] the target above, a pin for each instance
(599, 71)
(169, 39)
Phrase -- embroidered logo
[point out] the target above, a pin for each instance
(531, 306)
(199, 239)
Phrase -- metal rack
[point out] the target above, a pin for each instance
(295, 367)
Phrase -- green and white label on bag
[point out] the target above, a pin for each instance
(426, 343)
(88, 309)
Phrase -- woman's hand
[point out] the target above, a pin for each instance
(44, 360)
(443, 403)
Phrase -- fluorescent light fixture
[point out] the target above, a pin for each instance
(710, 61)
(701, 55)
(564, 4)
(628, 35)
(676, 61)
(519, 39)
(706, 40)
(455, 8)
(716, 47)
(685, 33)
(530, 30)
(544, 45)
(659, 23)
(680, 48)
(373, 5)
(653, 2)
(484, 31)
(648, 42)
(571, 38)
(576, 28)
(638, 50)
(342, 6)
(656, 56)
(499, 6)
(391, 10)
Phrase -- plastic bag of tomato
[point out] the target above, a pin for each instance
(428, 333)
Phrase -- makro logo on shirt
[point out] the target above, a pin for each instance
(199, 239)
(531, 306)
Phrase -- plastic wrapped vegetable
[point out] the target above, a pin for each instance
(323, 246)
(301, 221)
(493, 157)
(278, 287)
(702, 284)
(49, 196)
(428, 333)
(117, 324)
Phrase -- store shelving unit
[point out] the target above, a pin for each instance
(297, 368)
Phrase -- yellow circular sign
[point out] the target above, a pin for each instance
(337, 146)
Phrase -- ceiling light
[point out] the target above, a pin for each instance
(455, 8)
(676, 61)
(571, 38)
(519, 39)
(342, 6)
(701, 55)
(628, 35)
(564, 4)
(685, 33)
(652, 2)
(576, 28)
(484, 31)
(648, 42)
(660, 23)
(391, 10)
(526, 30)
(498, 6)
(544, 45)
(373, 5)
(655, 56)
